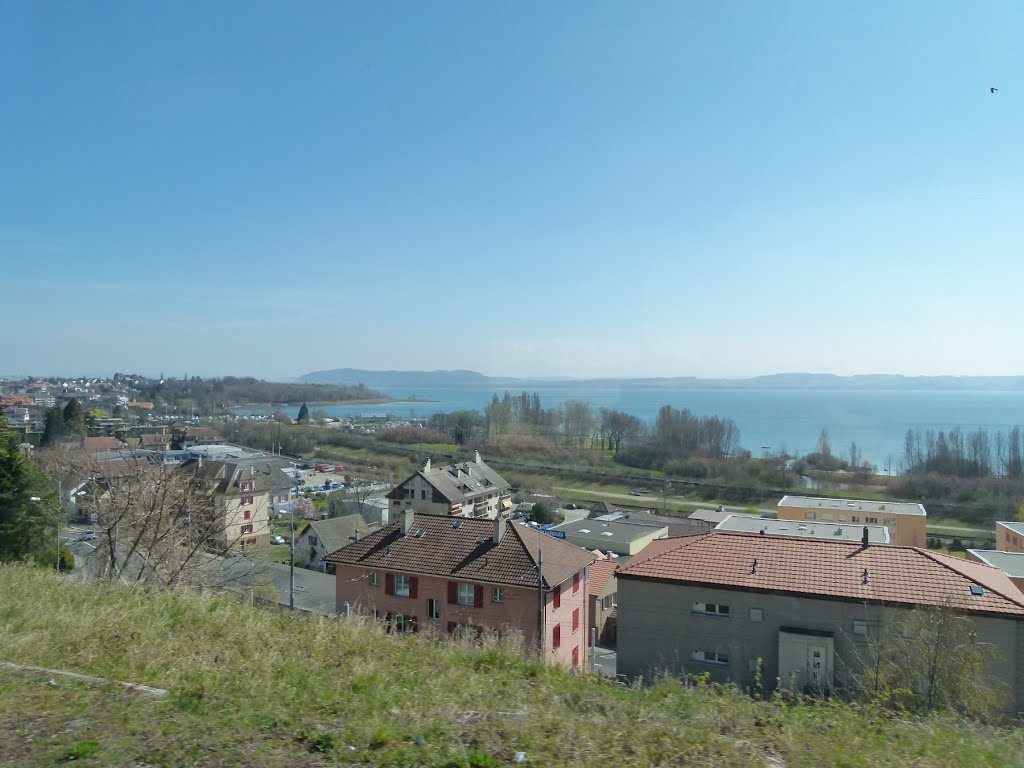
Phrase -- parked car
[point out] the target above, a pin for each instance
(277, 539)
(87, 536)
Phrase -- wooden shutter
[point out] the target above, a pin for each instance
(556, 636)
(387, 622)
(389, 584)
(414, 586)
(478, 596)
(558, 596)
(453, 592)
(414, 625)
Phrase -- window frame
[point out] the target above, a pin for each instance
(720, 610)
(406, 589)
(497, 595)
(460, 594)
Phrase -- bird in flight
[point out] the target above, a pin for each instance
(992, 90)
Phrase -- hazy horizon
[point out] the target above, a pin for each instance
(579, 189)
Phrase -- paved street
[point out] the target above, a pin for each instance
(313, 591)
(603, 661)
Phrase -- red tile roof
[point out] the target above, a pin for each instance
(463, 548)
(601, 573)
(101, 444)
(827, 569)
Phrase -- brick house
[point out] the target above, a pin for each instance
(466, 489)
(449, 575)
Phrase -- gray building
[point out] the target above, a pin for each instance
(620, 537)
(769, 526)
(744, 607)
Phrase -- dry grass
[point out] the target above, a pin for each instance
(262, 687)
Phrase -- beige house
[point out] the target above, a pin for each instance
(602, 589)
(798, 612)
(241, 492)
(465, 489)
(906, 521)
(1010, 537)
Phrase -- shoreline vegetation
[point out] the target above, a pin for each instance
(323, 403)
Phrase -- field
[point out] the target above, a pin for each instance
(252, 686)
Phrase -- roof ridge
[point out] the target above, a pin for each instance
(951, 563)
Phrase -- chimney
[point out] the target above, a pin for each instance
(407, 518)
(864, 537)
(499, 528)
(477, 459)
(426, 465)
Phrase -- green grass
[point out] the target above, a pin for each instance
(250, 686)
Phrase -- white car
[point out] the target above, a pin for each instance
(277, 539)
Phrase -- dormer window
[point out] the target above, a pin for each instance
(248, 485)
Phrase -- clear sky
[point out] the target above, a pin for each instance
(518, 188)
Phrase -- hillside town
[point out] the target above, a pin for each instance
(805, 600)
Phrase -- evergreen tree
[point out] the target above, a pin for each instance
(303, 415)
(27, 506)
(55, 428)
(74, 417)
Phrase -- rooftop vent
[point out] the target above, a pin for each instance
(456, 524)
(837, 532)
(753, 568)
(977, 591)
(584, 530)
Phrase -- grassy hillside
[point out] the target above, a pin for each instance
(260, 687)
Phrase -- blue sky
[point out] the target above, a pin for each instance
(578, 188)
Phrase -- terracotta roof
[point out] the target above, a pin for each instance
(100, 444)
(827, 569)
(463, 548)
(601, 573)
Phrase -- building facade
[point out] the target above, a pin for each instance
(905, 521)
(469, 577)
(465, 489)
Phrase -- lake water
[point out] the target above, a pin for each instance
(768, 420)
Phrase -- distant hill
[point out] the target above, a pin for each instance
(473, 379)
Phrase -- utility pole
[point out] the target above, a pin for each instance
(540, 593)
(291, 547)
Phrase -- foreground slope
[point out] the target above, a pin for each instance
(253, 686)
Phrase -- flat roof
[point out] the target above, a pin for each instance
(854, 505)
(1013, 526)
(617, 531)
(713, 515)
(1010, 563)
(877, 534)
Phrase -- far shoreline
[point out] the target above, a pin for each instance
(329, 403)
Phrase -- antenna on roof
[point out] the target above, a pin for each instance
(753, 568)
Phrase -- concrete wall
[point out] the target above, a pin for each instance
(1007, 540)
(517, 611)
(658, 631)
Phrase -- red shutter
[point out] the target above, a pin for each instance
(389, 583)
(575, 583)
(414, 625)
(453, 593)
(556, 636)
(576, 656)
(414, 586)
(478, 596)
(575, 619)
(387, 622)
(558, 596)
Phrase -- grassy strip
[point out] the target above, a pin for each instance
(252, 686)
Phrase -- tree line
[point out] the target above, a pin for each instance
(205, 396)
(955, 453)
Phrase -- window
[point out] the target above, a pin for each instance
(606, 602)
(711, 657)
(756, 614)
(312, 540)
(246, 515)
(466, 594)
(373, 579)
(247, 528)
(556, 636)
(811, 516)
(860, 627)
(575, 619)
(246, 500)
(497, 595)
(870, 519)
(401, 585)
(404, 624)
(557, 600)
(575, 583)
(855, 518)
(433, 609)
(711, 609)
(248, 485)
(423, 494)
